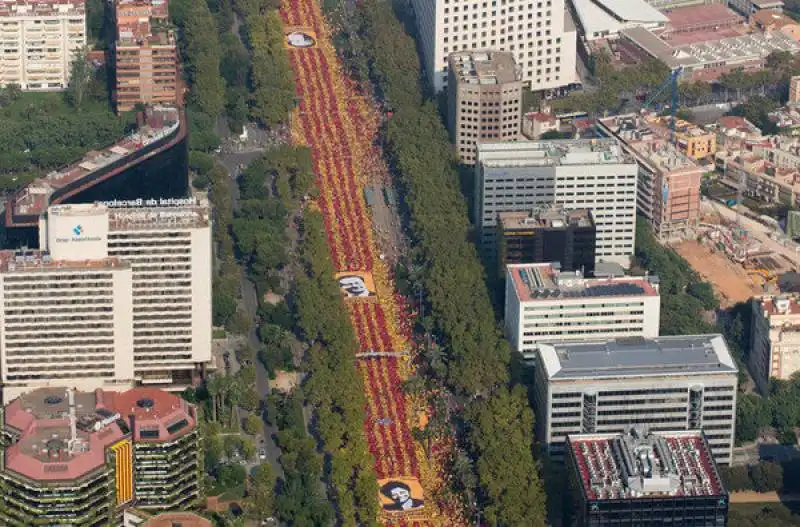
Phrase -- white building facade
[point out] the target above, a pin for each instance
(539, 32)
(168, 249)
(661, 384)
(64, 323)
(39, 40)
(576, 174)
(543, 305)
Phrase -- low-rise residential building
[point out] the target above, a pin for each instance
(534, 124)
(575, 174)
(794, 90)
(761, 179)
(610, 386)
(668, 189)
(70, 456)
(775, 339)
(485, 99)
(545, 305)
(39, 41)
(734, 132)
(635, 477)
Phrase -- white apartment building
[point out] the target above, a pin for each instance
(540, 33)
(661, 384)
(167, 244)
(38, 41)
(544, 305)
(64, 323)
(576, 174)
(775, 339)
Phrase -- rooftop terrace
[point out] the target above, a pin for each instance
(165, 213)
(637, 357)
(158, 415)
(34, 198)
(551, 218)
(485, 67)
(552, 153)
(638, 466)
(543, 282)
(40, 261)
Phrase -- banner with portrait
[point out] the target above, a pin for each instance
(299, 38)
(401, 494)
(356, 285)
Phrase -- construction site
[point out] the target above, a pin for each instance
(740, 256)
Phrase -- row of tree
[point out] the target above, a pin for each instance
(499, 422)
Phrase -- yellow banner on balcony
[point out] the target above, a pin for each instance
(124, 470)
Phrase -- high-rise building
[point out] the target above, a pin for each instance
(647, 480)
(167, 244)
(669, 180)
(775, 339)
(540, 34)
(145, 54)
(80, 458)
(39, 40)
(664, 384)
(485, 99)
(794, 90)
(547, 235)
(575, 174)
(65, 322)
(546, 305)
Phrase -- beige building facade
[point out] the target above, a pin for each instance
(775, 344)
(39, 40)
(485, 100)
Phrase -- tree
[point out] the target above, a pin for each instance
(231, 476)
(751, 417)
(252, 425)
(767, 476)
(261, 494)
(736, 478)
(80, 78)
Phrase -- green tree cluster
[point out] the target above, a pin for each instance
(334, 387)
(761, 515)
(272, 88)
(684, 295)
(765, 476)
(499, 421)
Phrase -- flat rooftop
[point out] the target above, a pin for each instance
(779, 305)
(689, 17)
(552, 153)
(554, 218)
(40, 261)
(650, 141)
(637, 357)
(598, 16)
(541, 282)
(140, 214)
(11, 8)
(485, 67)
(158, 415)
(49, 448)
(34, 198)
(645, 466)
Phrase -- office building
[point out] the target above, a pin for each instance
(484, 100)
(73, 457)
(65, 322)
(167, 244)
(647, 480)
(664, 384)
(575, 174)
(544, 304)
(145, 54)
(40, 39)
(668, 190)
(775, 339)
(540, 34)
(547, 235)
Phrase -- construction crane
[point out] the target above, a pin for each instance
(672, 83)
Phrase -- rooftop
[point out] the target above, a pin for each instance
(779, 305)
(41, 7)
(485, 67)
(158, 415)
(637, 357)
(40, 261)
(550, 218)
(183, 519)
(599, 16)
(165, 213)
(34, 198)
(62, 434)
(551, 153)
(639, 465)
(544, 282)
(689, 17)
(650, 141)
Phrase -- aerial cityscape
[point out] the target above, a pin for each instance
(399, 263)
